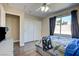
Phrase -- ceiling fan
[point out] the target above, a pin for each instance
(44, 7)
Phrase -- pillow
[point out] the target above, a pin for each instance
(46, 42)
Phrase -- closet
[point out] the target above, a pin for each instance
(32, 30)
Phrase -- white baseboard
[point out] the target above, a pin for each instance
(21, 44)
(16, 40)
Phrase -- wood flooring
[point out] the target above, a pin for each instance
(27, 50)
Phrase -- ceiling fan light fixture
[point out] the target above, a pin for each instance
(43, 8)
(46, 8)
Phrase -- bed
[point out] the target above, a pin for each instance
(60, 46)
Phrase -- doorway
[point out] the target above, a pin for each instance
(13, 24)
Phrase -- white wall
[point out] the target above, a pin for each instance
(45, 27)
(2, 16)
(32, 28)
(45, 21)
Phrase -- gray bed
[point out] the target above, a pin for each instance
(59, 46)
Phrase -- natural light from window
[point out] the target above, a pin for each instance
(63, 25)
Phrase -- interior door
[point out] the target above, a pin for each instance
(12, 23)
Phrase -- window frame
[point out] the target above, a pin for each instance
(60, 34)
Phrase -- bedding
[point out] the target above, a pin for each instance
(59, 44)
(72, 48)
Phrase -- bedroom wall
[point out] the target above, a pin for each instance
(2, 16)
(45, 21)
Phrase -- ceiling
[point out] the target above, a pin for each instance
(30, 8)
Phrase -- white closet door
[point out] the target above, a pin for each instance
(37, 30)
(32, 31)
(28, 32)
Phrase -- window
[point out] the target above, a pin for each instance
(63, 25)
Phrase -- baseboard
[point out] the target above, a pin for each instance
(16, 40)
